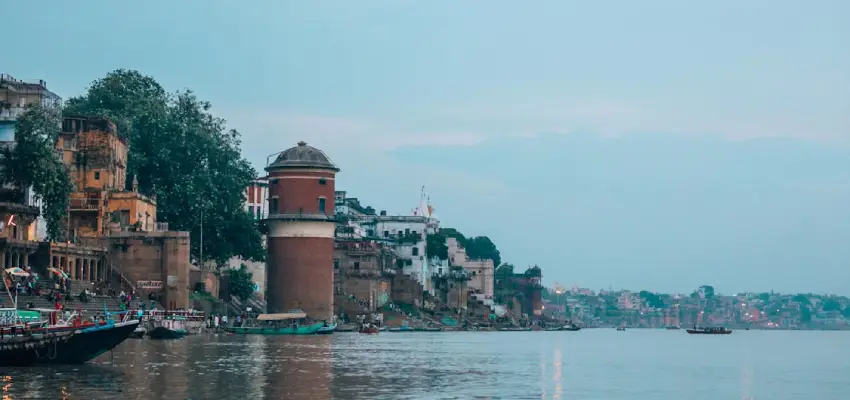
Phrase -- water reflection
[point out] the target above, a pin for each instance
(599, 365)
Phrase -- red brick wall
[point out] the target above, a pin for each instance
(299, 194)
(300, 275)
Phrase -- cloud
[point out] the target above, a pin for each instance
(265, 132)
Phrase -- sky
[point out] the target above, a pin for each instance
(656, 145)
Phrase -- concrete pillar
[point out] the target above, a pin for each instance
(2, 260)
(26, 260)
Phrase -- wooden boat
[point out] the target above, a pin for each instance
(168, 329)
(673, 327)
(138, 333)
(621, 328)
(514, 329)
(709, 331)
(371, 330)
(291, 323)
(327, 330)
(406, 328)
(63, 347)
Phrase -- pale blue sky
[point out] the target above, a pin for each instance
(640, 144)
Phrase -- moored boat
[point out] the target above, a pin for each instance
(291, 323)
(514, 329)
(621, 328)
(327, 329)
(709, 331)
(63, 347)
(673, 327)
(369, 329)
(168, 329)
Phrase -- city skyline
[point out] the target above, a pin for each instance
(603, 150)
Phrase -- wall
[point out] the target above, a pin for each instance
(298, 191)
(300, 275)
(141, 208)
(481, 276)
(154, 256)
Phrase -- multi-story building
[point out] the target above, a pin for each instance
(480, 272)
(257, 198)
(96, 157)
(15, 97)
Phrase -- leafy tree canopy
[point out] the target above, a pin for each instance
(241, 282)
(435, 246)
(654, 300)
(709, 291)
(477, 247)
(32, 162)
(183, 155)
(831, 305)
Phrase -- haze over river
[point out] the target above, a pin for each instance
(590, 364)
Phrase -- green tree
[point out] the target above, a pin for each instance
(32, 162)
(846, 312)
(709, 291)
(652, 299)
(803, 300)
(831, 305)
(805, 314)
(435, 246)
(183, 155)
(481, 248)
(241, 282)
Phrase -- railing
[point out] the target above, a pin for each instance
(12, 113)
(84, 204)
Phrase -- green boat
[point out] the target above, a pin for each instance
(291, 323)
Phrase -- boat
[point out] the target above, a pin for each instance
(291, 323)
(514, 329)
(370, 330)
(168, 329)
(138, 333)
(405, 328)
(621, 328)
(327, 330)
(24, 348)
(709, 331)
(673, 327)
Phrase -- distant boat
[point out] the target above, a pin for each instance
(514, 329)
(673, 327)
(621, 328)
(370, 330)
(709, 331)
(281, 324)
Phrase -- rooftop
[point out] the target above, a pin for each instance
(303, 156)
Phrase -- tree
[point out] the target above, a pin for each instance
(831, 305)
(708, 290)
(482, 248)
(32, 162)
(241, 282)
(435, 246)
(652, 299)
(805, 314)
(846, 312)
(183, 155)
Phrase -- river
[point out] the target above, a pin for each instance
(590, 364)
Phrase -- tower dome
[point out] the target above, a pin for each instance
(303, 156)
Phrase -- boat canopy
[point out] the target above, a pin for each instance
(281, 317)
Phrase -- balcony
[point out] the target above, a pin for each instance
(12, 113)
(84, 204)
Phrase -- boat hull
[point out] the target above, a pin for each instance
(327, 330)
(301, 330)
(66, 347)
(702, 332)
(163, 333)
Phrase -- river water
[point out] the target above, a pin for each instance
(590, 364)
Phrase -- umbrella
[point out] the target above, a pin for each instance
(15, 271)
(57, 272)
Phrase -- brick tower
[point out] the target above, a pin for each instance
(301, 232)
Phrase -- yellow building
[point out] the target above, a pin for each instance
(97, 164)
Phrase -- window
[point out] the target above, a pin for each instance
(97, 175)
(322, 205)
(386, 234)
(357, 265)
(415, 251)
(336, 264)
(251, 210)
(273, 208)
(406, 231)
(323, 181)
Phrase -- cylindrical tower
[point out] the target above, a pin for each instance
(301, 232)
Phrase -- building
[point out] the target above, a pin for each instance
(15, 97)
(363, 271)
(481, 272)
(96, 157)
(300, 238)
(257, 198)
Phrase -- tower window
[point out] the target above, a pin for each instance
(323, 181)
(273, 207)
(322, 205)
